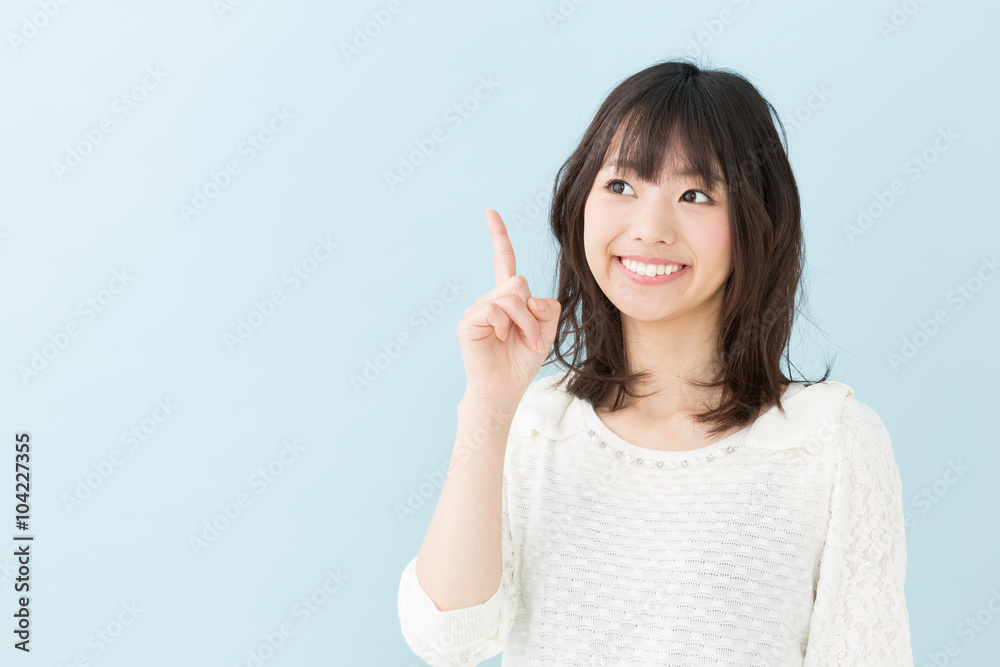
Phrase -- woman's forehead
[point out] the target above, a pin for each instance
(675, 166)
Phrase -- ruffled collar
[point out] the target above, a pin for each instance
(811, 423)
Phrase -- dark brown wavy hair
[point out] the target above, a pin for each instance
(710, 118)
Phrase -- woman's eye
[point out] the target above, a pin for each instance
(684, 197)
(612, 185)
(618, 187)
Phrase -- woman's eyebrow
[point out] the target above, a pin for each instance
(687, 172)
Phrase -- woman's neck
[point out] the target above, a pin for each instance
(673, 355)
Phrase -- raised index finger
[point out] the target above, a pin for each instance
(504, 266)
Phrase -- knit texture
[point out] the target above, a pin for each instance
(786, 550)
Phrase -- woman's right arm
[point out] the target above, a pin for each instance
(459, 562)
(458, 597)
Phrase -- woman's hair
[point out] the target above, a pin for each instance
(708, 119)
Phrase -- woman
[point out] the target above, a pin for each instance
(671, 497)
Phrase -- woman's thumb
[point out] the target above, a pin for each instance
(544, 309)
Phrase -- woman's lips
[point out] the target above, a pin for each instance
(651, 280)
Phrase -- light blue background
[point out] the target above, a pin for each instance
(334, 506)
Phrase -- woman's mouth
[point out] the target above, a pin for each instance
(640, 273)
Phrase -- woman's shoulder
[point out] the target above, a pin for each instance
(809, 420)
(549, 409)
(823, 419)
(865, 435)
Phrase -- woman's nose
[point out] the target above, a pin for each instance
(652, 223)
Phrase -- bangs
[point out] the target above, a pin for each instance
(656, 128)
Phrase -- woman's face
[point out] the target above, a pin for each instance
(675, 222)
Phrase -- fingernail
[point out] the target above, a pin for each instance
(539, 305)
(540, 345)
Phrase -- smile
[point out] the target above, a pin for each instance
(651, 274)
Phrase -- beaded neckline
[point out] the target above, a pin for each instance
(614, 447)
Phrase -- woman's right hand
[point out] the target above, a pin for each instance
(501, 333)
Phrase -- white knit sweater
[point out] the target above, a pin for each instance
(782, 544)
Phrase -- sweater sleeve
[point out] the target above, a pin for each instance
(464, 636)
(859, 613)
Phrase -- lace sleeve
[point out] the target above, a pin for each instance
(460, 636)
(859, 613)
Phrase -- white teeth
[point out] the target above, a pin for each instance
(650, 270)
